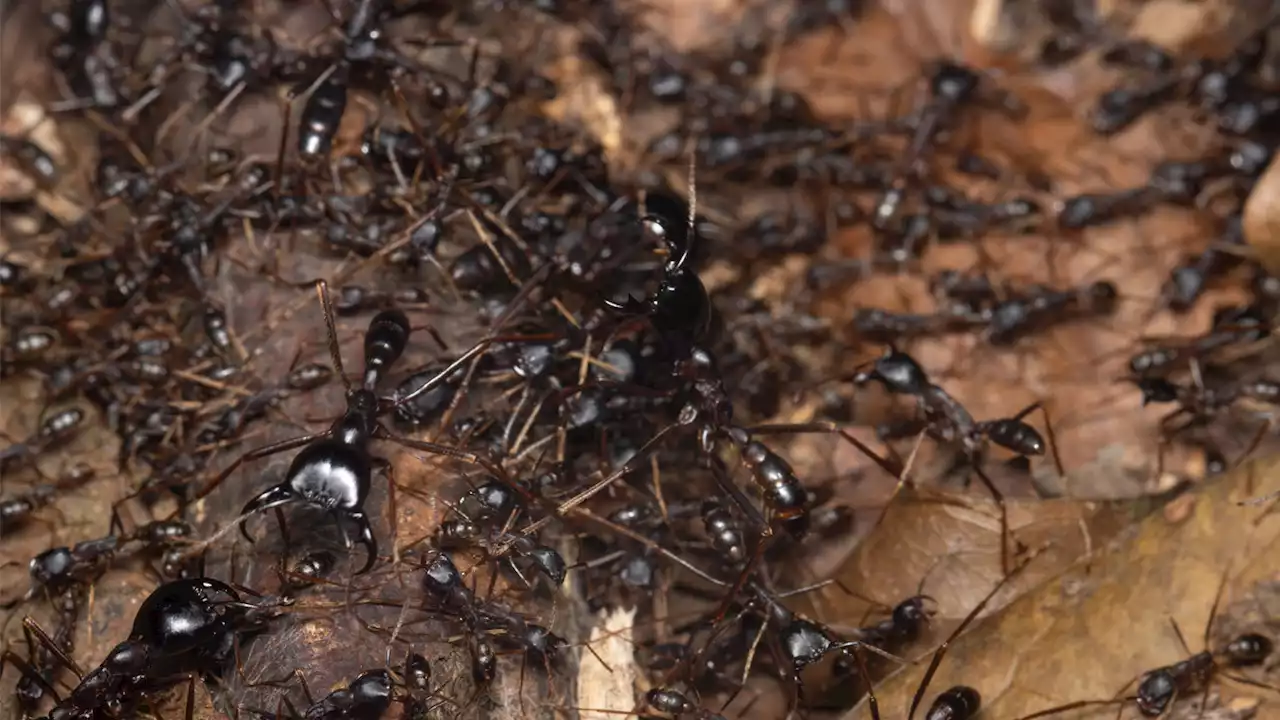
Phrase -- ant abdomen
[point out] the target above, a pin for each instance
(384, 343)
(1156, 691)
(1016, 435)
(1248, 649)
(724, 531)
(898, 372)
(957, 703)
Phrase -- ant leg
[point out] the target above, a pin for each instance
(631, 465)
(191, 697)
(31, 628)
(335, 350)
(255, 454)
(872, 703)
(1070, 706)
(447, 451)
(9, 657)
(1257, 439)
(829, 427)
(1004, 517)
(284, 530)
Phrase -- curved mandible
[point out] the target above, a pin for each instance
(272, 497)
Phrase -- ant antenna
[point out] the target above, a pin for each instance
(335, 351)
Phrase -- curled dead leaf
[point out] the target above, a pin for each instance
(949, 549)
(1083, 634)
(1262, 217)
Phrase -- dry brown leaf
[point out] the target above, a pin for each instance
(1262, 217)
(949, 549)
(1082, 635)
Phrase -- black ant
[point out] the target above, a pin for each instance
(184, 629)
(956, 703)
(680, 309)
(56, 430)
(1162, 359)
(64, 574)
(1200, 401)
(334, 469)
(1037, 308)
(1159, 688)
(15, 511)
(946, 420)
(370, 694)
(460, 532)
(55, 569)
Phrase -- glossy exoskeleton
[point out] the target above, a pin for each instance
(334, 469)
(680, 309)
(184, 628)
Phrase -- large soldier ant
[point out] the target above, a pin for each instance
(184, 629)
(334, 469)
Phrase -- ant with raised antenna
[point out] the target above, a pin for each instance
(334, 469)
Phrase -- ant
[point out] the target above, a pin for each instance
(461, 532)
(64, 575)
(185, 627)
(956, 703)
(354, 299)
(1189, 279)
(1159, 360)
(56, 430)
(902, 627)
(334, 469)
(15, 511)
(946, 420)
(1157, 689)
(370, 694)
(680, 309)
(1200, 401)
(55, 569)
(1039, 307)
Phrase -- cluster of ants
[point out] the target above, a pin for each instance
(600, 371)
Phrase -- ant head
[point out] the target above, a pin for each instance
(1155, 692)
(371, 688)
(417, 672)
(897, 371)
(913, 612)
(666, 217)
(550, 563)
(441, 576)
(1157, 390)
(181, 616)
(951, 82)
(51, 565)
